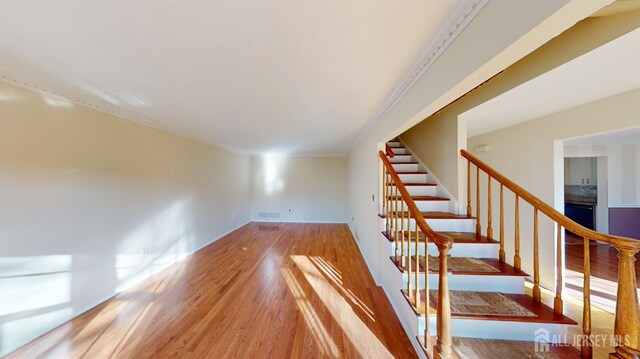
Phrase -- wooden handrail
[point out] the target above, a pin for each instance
(438, 239)
(561, 219)
(390, 152)
(626, 326)
(442, 348)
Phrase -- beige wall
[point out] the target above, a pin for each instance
(90, 204)
(436, 140)
(299, 189)
(532, 155)
(499, 35)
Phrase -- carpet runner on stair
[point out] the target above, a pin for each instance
(486, 295)
(482, 303)
(472, 348)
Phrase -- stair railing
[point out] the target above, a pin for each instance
(399, 209)
(627, 316)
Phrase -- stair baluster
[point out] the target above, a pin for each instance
(469, 213)
(394, 218)
(443, 343)
(489, 214)
(627, 326)
(417, 272)
(385, 197)
(557, 301)
(478, 224)
(586, 350)
(501, 253)
(426, 290)
(537, 295)
(409, 286)
(402, 223)
(516, 257)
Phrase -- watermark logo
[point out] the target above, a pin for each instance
(541, 340)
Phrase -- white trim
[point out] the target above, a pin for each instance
(464, 13)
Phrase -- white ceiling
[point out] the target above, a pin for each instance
(608, 70)
(625, 137)
(299, 77)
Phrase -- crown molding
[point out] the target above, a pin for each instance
(464, 13)
(108, 108)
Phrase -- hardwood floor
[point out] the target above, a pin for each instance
(263, 291)
(604, 271)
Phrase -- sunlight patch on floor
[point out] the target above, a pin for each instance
(603, 291)
(330, 272)
(601, 320)
(322, 338)
(360, 336)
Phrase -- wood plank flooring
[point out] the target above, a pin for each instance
(604, 271)
(263, 291)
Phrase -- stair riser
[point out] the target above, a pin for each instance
(440, 225)
(393, 144)
(473, 250)
(478, 283)
(400, 151)
(412, 178)
(421, 190)
(495, 329)
(399, 158)
(425, 206)
(403, 167)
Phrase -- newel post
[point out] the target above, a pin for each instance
(442, 349)
(627, 324)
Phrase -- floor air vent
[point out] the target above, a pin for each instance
(268, 214)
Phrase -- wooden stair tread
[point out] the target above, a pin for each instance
(495, 348)
(544, 314)
(459, 344)
(504, 268)
(411, 172)
(424, 198)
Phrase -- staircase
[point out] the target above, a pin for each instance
(484, 311)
